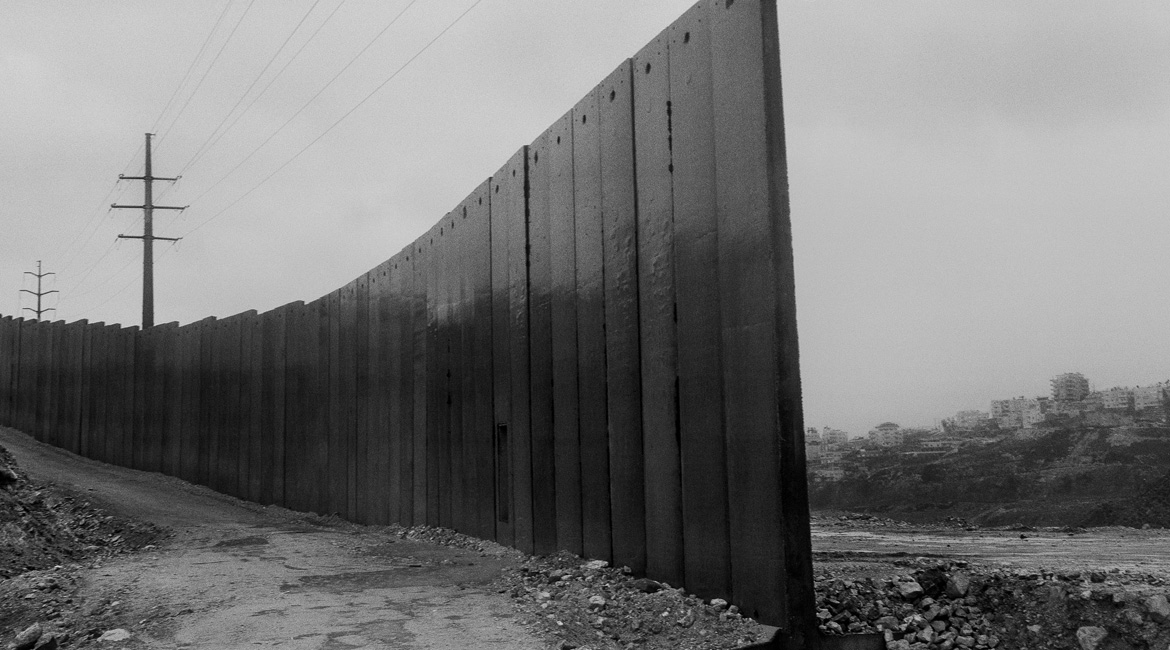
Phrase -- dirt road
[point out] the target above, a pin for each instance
(239, 575)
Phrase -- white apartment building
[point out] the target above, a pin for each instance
(1148, 397)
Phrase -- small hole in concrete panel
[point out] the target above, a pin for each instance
(647, 68)
(687, 37)
(558, 139)
(497, 189)
(536, 157)
(612, 94)
(481, 200)
(465, 212)
(583, 118)
(440, 233)
(513, 173)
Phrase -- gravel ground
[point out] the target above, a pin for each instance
(52, 540)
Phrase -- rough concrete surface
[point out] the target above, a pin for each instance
(238, 575)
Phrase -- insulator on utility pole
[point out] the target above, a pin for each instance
(39, 293)
(148, 237)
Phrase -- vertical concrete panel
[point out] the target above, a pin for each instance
(46, 381)
(591, 361)
(540, 297)
(563, 316)
(130, 354)
(377, 472)
(363, 449)
(319, 399)
(231, 443)
(623, 364)
(761, 374)
(656, 311)
(175, 350)
(84, 386)
(259, 436)
(280, 398)
(402, 386)
(510, 367)
(516, 204)
(298, 360)
(439, 378)
(336, 432)
(452, 237)
(419, 384)
(140, 446)
(207, 378)
(189, 422)
(704, 472)
(104, 378)
(266, 469)
(159, 393)
(7, 366)
(347, 364)
(482, 431)
(463, 351)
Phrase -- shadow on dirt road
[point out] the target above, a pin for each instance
(237, 574)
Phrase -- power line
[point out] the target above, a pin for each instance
(278, 74)
(342, 118)
(93, 218)
(306, 104)
(206, 72)
(191, 67)
(202, 148)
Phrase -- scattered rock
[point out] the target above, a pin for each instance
(117, 634)
(1091, 636)
(646, 585)
(910, 589)
(1159, 608)
(958, 584)
(28, 637)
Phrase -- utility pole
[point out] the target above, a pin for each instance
(148, 207)
(38, 293)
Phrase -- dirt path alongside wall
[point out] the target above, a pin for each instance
(240, 575)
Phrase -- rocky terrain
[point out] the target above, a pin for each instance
(947, 585)
(48, 537)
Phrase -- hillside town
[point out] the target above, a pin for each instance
(1072, 404)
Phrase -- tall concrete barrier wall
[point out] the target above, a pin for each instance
(595, 351)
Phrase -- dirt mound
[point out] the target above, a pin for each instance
(42, 526)
(1151, 508)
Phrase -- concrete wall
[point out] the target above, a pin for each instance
(595, 351)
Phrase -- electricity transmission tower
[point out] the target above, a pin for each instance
(38, 293)
(148, 237)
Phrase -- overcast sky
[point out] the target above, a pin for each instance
(980, 190)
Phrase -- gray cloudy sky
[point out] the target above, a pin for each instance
(979, 189)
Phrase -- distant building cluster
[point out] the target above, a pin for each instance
(1072, 397)
(832, 454)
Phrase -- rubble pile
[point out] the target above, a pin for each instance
(47, 535)
(590, 605)
(43, 526)
(952, 606)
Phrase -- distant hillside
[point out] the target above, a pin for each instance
(1065, 477)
